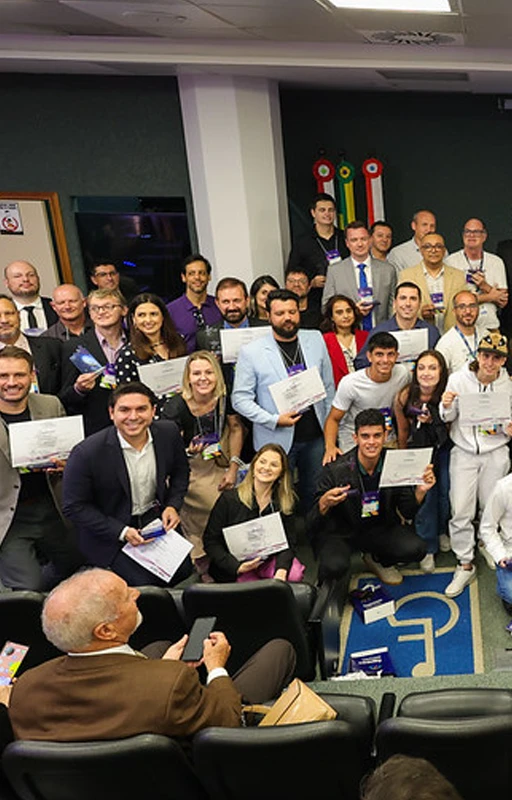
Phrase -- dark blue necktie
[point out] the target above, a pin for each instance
(363, 284)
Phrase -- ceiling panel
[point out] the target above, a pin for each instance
(159, 17)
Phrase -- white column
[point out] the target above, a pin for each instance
(236, 165)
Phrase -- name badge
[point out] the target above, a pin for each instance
(366, 295)
(471, 273)
(437, 299)
(295, 368)
(108, 379)
(388, 419)
(333, 256)
(370, 504)
(490, 430)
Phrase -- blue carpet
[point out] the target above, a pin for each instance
(429, 634)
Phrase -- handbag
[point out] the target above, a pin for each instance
(297, 704)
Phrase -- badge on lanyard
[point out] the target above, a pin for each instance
(370, 504)
(471, 273)
(108, 379)
(388, 419)
(366, 294)
(333, 256)
(295, 369)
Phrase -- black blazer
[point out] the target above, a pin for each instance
(50, 314)
(47, 357)
(96, 493)
(92, 405)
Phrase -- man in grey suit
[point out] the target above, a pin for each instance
(369, 282)
(31, 528)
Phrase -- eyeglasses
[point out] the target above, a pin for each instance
(465, 306)
(473, 231)
(107, 307)
(106, 274)
(433, 247)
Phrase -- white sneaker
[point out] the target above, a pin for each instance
(444, 543)
(428, 563)
(489, 560)
(462, 578)
(388, 575)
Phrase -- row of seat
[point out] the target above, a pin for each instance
(465, 733)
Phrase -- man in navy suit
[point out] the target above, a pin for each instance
(123, 477)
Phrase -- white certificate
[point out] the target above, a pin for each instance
(40, 442)
(162, 556)
(163, 377)
(411, 343)
(257, 538)
(232, 339)
(298, 391)
(484, 408)
(405, 467)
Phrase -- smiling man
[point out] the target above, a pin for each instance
(351, 513)
(123, 477)
(36, 312)
(196, 309)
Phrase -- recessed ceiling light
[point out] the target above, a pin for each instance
(412, 6)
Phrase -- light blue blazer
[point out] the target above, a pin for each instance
(261, 364)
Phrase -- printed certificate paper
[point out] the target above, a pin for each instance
(405, 467)
(411, 343)
(40, 442)
(163, 377)
(232, 339)
(299, 391)
(484, 408)
(162, 556)
(257, 538)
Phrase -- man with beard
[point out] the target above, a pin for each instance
(23, 282)
(459, 345)
(266, 361)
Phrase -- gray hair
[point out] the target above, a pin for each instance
(76, 606)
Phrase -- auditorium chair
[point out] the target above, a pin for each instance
(141, 766)
(250, 614)
(162, 618)
(463, 702)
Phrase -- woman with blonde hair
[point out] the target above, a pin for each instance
(266, 489)
(213, 436)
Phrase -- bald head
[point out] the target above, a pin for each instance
(69, 304)
(92, 610)
(22, 281)
(423, 222)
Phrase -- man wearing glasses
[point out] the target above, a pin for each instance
(459, 345)
(438, 282)
(485, 274)
(105, 275)
(195, 310)
(87, 393)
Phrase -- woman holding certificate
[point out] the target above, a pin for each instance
(265, 491)
(344, 340)
(153, 338)
(419, 425)
(213, 436)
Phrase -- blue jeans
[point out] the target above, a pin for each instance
(504, 583)
(307, 457)
(433, 515)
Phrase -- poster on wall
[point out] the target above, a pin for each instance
(10, 219)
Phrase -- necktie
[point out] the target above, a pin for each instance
(32, 321)
(363, 284)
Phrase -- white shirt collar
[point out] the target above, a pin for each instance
(127, 446)
(121, 648)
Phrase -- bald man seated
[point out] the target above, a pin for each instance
(102, 689)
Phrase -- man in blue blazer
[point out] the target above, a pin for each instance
(121, 478)
(270, 359)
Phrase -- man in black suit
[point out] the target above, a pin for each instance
(88, 393)
(22, 281)
(123, 477)
(46, 352)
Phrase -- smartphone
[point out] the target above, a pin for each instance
(201, 630)
(11, 656)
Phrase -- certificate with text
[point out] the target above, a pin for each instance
(299, 391)
(38, 443)
(411, 343)
(162, 556)
(232, 339)
(257, 538)
(163, 377)
(484, 408)
(405, 467)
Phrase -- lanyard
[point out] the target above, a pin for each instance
(472, 352)
(335, 244)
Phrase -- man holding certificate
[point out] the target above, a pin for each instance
(354, 512)
(478, 404)
(284, 386)
(31, 528)
(122, 478)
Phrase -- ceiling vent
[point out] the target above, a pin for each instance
(418, 38)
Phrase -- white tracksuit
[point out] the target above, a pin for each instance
(477, 461)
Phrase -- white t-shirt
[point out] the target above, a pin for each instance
(357, 391)
(495, 274)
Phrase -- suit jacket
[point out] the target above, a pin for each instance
(50, 314)
(259, 365)
(47, 355)
(40, 407)
(113, 696)
(341, 279)
(92, 405)
(96, 487)
(454, 281)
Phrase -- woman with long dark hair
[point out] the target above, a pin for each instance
(342, 335)
(260, 289)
